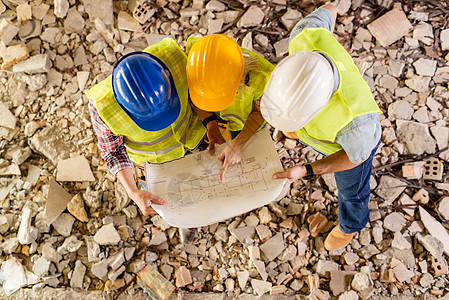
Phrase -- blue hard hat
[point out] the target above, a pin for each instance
(144, 88)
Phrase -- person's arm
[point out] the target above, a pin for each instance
(339, 161)
(334, 12)
(232, 154)
(143, 199)
(212, 129)
(118, 162)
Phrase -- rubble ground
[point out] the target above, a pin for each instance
(51, 172)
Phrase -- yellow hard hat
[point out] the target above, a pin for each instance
(214, 69)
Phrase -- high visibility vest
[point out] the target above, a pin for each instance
(352, 98)
(237, 113)
(154, 146)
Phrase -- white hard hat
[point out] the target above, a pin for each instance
(299, 88)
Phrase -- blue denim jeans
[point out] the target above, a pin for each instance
(353, 196)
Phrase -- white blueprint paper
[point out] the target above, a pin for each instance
(194, 196)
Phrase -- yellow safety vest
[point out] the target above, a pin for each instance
(352, 98)
(237, 113)
(154, 146)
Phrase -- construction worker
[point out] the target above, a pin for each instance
(142, 113)
(318, 96)
(225, 85)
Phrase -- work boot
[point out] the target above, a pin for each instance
(337, 239)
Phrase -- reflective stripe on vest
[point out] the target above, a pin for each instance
(352, 98)
(181, 143)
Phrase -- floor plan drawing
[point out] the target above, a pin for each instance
(195, 196)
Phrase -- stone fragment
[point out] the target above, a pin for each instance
(433, 169)
(444, 37)
(386, 275)
(27, 234)
(389, 188)
(82, 78)
(127, 22)
(242, 233)
(105, 13)
(324, 267)
(215, 5)
(107, 235)
(264, 215)
(50, 142)
(425, 67)
(400, 270)
(273, 247)
(80, 56)
(409, 204)
(61, 8)
(57, 199)
(426, 280)
(183, 277)
(441, 135)
(316, 223)
(396, 68)
(281, 47)
(51, 35)
(93, 249)
(340, 281)
(252, 17)
(400, 109)
(34, 82)
(76, 208)
(290, 18)
(400, 242)
(49, 253)
(39, 11)
(71, 244)
(260, 266)
(7, 119)
(12, 169)
(13, 54)
(242, 278)
(41, 267)
(394, 222)
(435, 228)
(158, 238)
(100, 269)
(7, 31)
(390, 27)
(415, 137)
(63, 224)
(418, 83)
(349, 295)
(368, 251)
(443, 208)
(13, 276)
(74, 21)
(74, 169)
(78, 275)
(360, 282)
(260, 287)
(351, 258)
(23, 12)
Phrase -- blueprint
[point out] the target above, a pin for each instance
(194, 196)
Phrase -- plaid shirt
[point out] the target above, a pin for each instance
(111, 145)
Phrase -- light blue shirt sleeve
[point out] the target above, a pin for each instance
(360, 136)
(319, 18)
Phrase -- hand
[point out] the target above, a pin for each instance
(214, 136)
(293, 173)
(230, 155)
(144, 199)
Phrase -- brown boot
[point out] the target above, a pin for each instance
(337, 239)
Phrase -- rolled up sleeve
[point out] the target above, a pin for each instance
(360, 136)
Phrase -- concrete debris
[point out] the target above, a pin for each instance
(76, 208)
(53, 51)
(74, 169)
(107, 235)
(13, 276)
(273, 247)
(390, 27)
(252, 17)
(57, 199)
